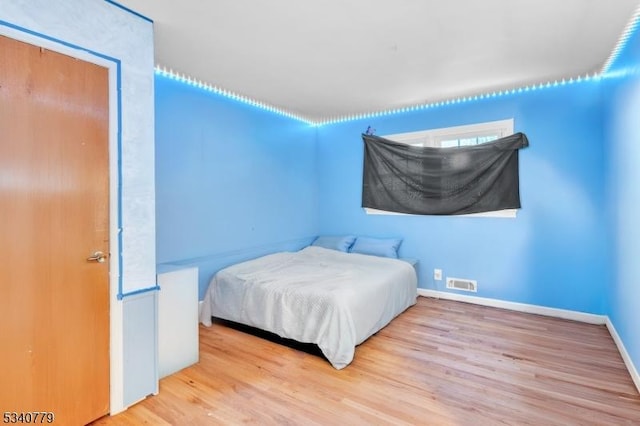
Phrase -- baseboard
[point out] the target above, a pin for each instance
(541, 310)
(625, 355)
(514, 306)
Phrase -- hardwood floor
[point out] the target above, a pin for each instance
(439, 363)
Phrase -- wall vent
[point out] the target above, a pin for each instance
(462, 284)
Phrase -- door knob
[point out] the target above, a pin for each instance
(97, 256)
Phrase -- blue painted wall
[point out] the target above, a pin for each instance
(233, 181)
(553, 254)
(622, 93)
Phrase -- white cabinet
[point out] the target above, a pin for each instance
(177, 318)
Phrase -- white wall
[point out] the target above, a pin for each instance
(101, 32)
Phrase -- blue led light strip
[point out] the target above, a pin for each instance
(462, 100)
(228, 94)
(631, 27)
(628, 31)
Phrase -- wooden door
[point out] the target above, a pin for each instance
(54, 213)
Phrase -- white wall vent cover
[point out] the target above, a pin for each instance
(462, 284)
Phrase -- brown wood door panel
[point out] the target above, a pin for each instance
(54, 189)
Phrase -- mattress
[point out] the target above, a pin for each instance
(329, 298)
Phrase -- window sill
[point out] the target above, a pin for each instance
(507, 213)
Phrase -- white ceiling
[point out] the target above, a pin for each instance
(326, 59)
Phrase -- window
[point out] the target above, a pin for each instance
(447, 137)
(451, 137)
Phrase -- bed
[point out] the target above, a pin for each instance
(329, 298)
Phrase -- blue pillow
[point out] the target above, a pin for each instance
(343, 243)
(384, 247)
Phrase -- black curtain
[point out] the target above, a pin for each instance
(441, 181)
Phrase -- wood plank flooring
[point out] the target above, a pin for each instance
(439, 363)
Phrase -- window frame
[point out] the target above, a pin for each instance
(433, 138)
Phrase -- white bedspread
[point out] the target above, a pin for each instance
(332, 299)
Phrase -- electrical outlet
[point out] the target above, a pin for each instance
(437, 274)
